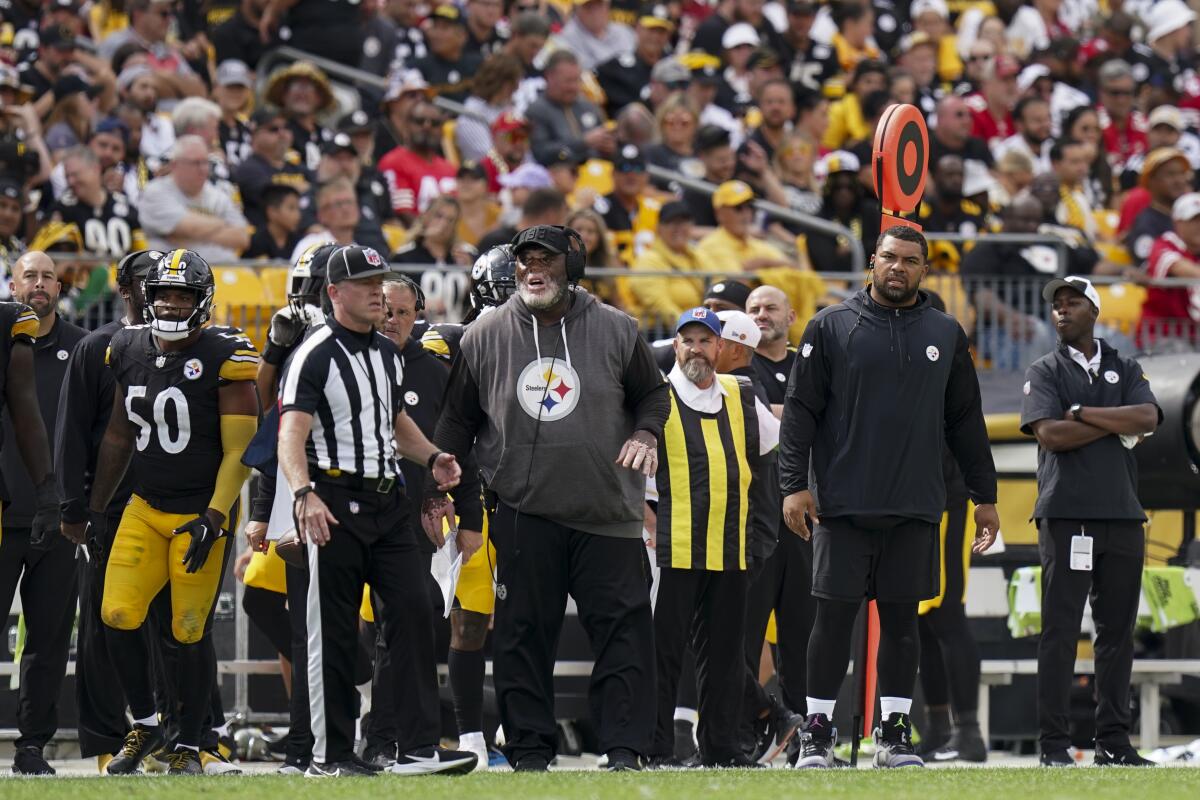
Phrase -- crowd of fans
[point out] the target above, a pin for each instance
(158, 120)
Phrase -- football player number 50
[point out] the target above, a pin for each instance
(183, 423)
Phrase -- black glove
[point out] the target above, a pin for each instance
(95, 534)
(204, 535)
(47, 519)
(284, 334)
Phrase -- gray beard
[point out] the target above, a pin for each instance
(697, 369)
(541, 303)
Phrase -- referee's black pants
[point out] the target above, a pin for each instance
(1114, 586)
(101, 708)
(783, 583)
(708, 611)
(538, 564)
(372, 543)
(46, 573)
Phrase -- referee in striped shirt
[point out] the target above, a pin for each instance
(342, 430)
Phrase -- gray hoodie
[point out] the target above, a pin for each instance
(595, 384)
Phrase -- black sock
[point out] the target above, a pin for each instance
(466, 668)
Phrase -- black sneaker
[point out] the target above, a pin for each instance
(782, 724)
(622, 759)
(184, 761)
(430, 760)
(29, 761)
(293, 768)
(353, 768)
(380, 757)
(532, 762)
(817, 740)
(139, 743)
(685, 741)
(965, 745)
(893, 742)
(672, 763)
(1056, 758)
(1123, 756)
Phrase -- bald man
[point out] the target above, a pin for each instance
(783, 581)
(43, 563)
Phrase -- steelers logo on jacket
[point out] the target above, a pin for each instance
(548, 389)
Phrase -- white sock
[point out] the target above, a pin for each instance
(147, 722)
(189, 747)
(894, 705)
(687, 714)
(472, 740)
(818, 706)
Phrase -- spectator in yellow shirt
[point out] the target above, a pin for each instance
(847, 123)
(663, 299)
(731, 248)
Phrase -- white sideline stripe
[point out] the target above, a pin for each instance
(316, 657)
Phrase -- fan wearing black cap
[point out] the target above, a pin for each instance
(84, 406)
(340, 162)
(56, 51)
(625, 78)
(449, 64)
(1089, 407)
(41, 561)
(270, 162)
(559, 400)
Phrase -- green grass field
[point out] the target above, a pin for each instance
(933, 784)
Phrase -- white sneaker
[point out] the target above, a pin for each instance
(475, 743)
(429, 760)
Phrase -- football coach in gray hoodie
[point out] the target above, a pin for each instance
(561, 403)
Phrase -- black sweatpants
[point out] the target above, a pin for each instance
(783, 584)
(48, 591)
(372, 544)
(707, 610)
(1114, 586)
(949, 655)
(538, 564)
(102, 722)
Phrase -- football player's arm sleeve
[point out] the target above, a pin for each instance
(462, 415)
(115, 451)
(236, 432)
(803, 408)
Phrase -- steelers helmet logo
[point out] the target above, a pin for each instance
(548, 389)
(193, 369)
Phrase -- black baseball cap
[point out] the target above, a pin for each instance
(550, 237)
(59, 36)
(730, 291)
(675, 211)
(355, 122)
(136, 265)
(629, 158)
(355, 261)
(571, 154)
(340, 143)
(11, 188)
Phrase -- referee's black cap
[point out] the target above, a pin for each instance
(354, 262)
(136, 265)
(550, 237)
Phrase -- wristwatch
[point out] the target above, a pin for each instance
(1075, 409)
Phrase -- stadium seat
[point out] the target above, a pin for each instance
(1121, 306)
(241, 300)
(1115, 253)
(395, 234)
(275, 283)
(1106, 223)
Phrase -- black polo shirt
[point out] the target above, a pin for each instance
(1099, 480)
(772, 376)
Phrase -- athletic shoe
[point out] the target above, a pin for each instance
(157, 763)
(380, 758)
(102, 762)
(184, 761)
(893, 742)
(139, 743)
(292, 768)
(29, 761)
(214, 762)
(672, 763)
(1056, 758)
(782, 724)
(475, 743)
(622, 759)
(1124, 756)
(340, 769)
(685, 741)
(965, 745)
(532, 762)
(430, 760)
(817, 740)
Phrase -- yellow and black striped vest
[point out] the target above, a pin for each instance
(703, 481)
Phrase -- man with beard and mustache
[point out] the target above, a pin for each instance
(560, 401)
(44, 563)
(880, 362)
(1031, 115)
(702, 557)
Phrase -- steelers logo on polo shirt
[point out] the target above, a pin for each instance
(548, 389)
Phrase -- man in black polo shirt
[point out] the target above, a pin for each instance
(1088, 407)
(626, 78)
(449, 66)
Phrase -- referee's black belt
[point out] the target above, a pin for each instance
(349, 480)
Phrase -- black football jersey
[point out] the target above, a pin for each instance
(113, 228)
(18, 325)
(172, 402)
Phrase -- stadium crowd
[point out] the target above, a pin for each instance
(156, 135)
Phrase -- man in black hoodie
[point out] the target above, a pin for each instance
(881, 382)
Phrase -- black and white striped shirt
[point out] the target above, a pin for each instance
(350, 383)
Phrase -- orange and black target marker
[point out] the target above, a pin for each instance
(900, 162)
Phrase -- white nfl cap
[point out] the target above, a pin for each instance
(1081, 285)
(1186, 207)
(738, 34)
(736, 326)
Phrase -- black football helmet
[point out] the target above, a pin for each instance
(307, 280)
(179, 269)
(493, 278)
(136, 266)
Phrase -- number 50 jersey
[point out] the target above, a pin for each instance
(172, 402)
